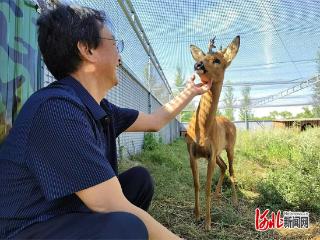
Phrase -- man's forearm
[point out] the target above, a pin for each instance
(170, 110)
(155, 229)
(108, 197)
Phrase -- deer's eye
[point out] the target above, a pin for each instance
(217, 61)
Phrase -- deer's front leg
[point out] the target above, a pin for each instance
(210, 171)
(195, 174)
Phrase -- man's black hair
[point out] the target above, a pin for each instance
(59, 31)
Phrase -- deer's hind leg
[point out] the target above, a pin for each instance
(230, 155)
(223, 168)
(196, 182)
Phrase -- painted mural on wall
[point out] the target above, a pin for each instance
(20, 68)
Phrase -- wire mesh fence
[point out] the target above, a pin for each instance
(137, 54)
(279, 40)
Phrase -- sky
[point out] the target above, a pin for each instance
(279, 42)
(278, 50)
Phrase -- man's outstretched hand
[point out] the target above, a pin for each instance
(197, 89)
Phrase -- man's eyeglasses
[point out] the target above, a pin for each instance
(119, 43)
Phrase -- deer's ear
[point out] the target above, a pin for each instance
(231, 51)
(197, 53)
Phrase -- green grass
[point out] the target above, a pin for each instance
(277, 169)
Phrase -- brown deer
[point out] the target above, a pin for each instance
(208, 135)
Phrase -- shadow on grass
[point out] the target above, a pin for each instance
(270, 198)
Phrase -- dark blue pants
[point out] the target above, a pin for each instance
(137, 186)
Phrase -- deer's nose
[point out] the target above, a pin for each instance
(199, 66)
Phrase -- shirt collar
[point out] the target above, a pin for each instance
(96, 110)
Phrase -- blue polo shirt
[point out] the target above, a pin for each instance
(62, 141)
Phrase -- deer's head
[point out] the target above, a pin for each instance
(211, 66)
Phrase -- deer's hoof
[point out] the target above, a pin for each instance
(235, 202)
(216, 196)
(207, 226)
(197, 217)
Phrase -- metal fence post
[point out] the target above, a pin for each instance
(246, 119)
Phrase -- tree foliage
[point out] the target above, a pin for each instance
(228, 101)
(156, 86)
(179, 79)
(245, 109)
(316, 92)
(307, 113)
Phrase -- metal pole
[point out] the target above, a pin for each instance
(246, 119)
(149, 81)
